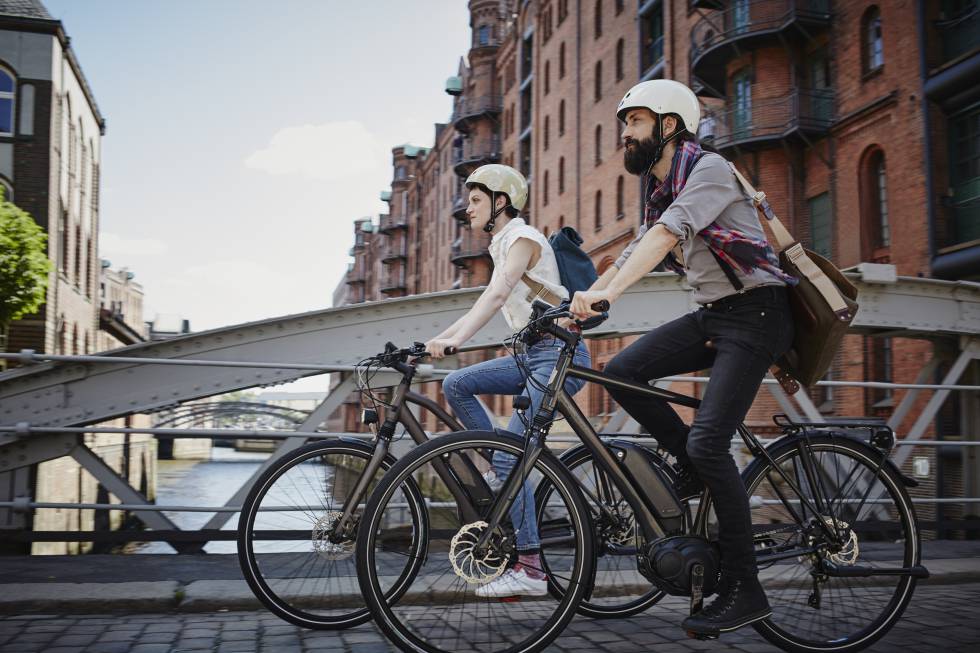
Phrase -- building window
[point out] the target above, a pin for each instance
(547, 132)
(544, 195)
(561, 222)
(620, 185)
(562, 10)
(526, 108)
(525, 162)
(881, 370)
(620, 4)
(484, 35)
(964, 148)
(652, 38)
(598, 210)
(598, 18)
(77, 280)
(527, 60)
(598, 144)
(561, 61)
(875, 229)
(597, 91)
(7, 93)
(547, 76)
(874, 54)
(561, 175)
(620, 46)
(742, 120)
(561, 118)
(63, 242)
(821, 229)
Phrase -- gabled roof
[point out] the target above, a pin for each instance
(24, 9)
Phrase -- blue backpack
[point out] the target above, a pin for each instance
(574, 266)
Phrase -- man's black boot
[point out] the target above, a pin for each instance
(741, 602)
(687, 484)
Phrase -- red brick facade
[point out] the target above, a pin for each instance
(822, 104)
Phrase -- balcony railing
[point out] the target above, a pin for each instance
(469, 245)
(755, 19)
(810, 112)
(460, 204)
(960, 33)
(356, 276)
(706, 4)
(394, 248)
(469, 109)
(390, 222)
(475, 154)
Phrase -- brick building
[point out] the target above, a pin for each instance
(50, 153)
(860, 120)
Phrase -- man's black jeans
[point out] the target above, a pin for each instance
(738, 337)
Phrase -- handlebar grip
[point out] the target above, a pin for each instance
(601, 306)
(449, 351)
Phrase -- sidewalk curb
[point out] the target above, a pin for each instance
(228, 595)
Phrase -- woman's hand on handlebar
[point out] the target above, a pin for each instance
(441, 347)
(585, 303)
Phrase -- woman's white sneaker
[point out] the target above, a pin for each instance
(513, 583)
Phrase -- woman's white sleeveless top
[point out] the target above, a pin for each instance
(517, 308)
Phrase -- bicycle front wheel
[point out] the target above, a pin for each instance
(284, 548)
(448, 605)
(852, 490)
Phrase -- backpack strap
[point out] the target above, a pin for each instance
(538, 291)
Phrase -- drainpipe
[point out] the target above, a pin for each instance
(927, 135)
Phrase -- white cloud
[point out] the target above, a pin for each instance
(114, 246)
(329, 152)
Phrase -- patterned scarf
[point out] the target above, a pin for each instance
(735, 248)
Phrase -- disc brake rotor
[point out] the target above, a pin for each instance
(322, 528)
(471, 568)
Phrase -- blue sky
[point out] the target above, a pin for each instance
(245, 136)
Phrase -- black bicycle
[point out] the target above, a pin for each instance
(297, 526)
(835, 531)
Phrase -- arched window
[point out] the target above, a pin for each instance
(620, 183)
(598, 81)
(545, 194)
(620, 45)
(561, 118)
(561, 221)
(561, 61)
(598, 144)
(547, 76)
(598, 18)
(606, 263)
(561, 175)
(875, 228)
(871, 41)
(8, 87)
(598, 210)
(547, 131)
(484, 35)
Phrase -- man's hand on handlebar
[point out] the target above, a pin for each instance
(586, 302)
(441, 347)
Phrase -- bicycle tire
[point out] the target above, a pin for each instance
(403, 625)
(298, 610)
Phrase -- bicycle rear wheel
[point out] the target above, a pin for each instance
(285, 555)
(441, 609)
(865, 501)
(619, 589)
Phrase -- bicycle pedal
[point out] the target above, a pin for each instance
(700, 636)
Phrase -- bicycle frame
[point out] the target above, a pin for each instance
(457, 473)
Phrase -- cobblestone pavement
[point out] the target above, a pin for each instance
(940, 618)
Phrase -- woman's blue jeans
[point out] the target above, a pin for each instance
(501, 376)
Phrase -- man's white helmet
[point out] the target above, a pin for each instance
(663, 96)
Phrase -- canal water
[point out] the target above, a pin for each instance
(202, 483)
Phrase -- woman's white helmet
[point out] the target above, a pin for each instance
(663, 96)
(499, 178)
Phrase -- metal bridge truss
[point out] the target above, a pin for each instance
(45, 406)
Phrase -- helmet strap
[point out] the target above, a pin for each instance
(494, 212)
(661, 143)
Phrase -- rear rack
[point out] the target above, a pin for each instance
(877, 431)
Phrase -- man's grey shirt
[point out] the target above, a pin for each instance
(711, 194)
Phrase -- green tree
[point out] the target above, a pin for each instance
(24, 266)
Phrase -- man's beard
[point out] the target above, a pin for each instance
(638, 158)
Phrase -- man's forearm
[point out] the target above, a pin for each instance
(605, 279)
(649, 252)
